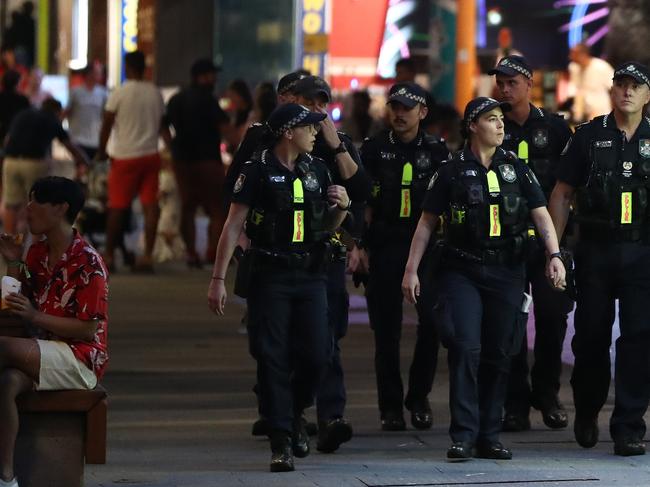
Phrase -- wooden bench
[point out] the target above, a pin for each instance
(60, 431)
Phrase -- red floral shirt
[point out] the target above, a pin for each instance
(74, 287)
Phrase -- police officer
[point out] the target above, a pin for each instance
(253, 140)
(606, 166)
(537, 137)
(342, 159)
(289, 206)
(400, 160)
(486, 197)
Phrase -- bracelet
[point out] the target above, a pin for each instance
(218, 278)
(21, 266)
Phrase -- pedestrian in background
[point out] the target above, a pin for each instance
(198, 122)
(27, 156)
(589, 84)
(134, 115)
(84, 111)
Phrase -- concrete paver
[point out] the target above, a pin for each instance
(181, 408)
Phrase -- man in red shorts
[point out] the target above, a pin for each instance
(133, 113)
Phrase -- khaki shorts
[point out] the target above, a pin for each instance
(61, 370)
(18, 176)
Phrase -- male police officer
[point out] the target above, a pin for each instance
(253, 138)
(536, 137)
(401, 160)
(606, 167)
(342, 159)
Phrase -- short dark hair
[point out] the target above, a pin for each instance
(52, 105)
(135, 61)
(57, 190)
(202, 66)
(407, 63)
(10, 80)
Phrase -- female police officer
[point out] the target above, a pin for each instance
(485, 196)
(289, 206)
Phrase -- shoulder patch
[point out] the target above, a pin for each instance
(508, 173)
(239, 184)
(432, 181)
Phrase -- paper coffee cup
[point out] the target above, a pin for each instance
(9, 285)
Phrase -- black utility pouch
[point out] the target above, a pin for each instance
(244, 276)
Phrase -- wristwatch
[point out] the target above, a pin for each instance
(345, 208)
(340, 149)
(557, 255)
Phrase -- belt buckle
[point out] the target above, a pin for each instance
(490, 256)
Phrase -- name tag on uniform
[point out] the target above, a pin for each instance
(602, 144)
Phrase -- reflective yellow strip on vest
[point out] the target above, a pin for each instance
(522, 150)
(493, 182)
(298, 226)
(495, 221)
(626, 208)
(407, 174)
(298, 193)
(407, 179)
(405, 205)
(298, 215)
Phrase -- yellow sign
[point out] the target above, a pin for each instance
(522, 150)
(626, 208)
(493, 182)
(495, 221)
(298, 226)
(315, 43)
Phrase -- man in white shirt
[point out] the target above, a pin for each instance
(590, 79)
(84, 112)
(134, 114)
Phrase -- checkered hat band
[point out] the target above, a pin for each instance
(480, 108)
(410, 96)
(632, 72)
(288, 87)
(516, 67)
(291, 123)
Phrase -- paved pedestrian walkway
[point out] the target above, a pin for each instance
(181, 408)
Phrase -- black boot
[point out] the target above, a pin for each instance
(300, 438)
(281, 455)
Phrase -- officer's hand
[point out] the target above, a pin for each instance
(329, 130)
(217, 296)
(411, 287)
(364, 262)
(556, 274)
(337, 195)
(353, 260)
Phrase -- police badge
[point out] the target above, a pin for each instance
(508, 173)
(311, 181)
(239, 184)
(540, 138)
(644, 148)
(422, 160)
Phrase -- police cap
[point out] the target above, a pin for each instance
(408, 94)
(512, 66)
(312, 86)
(634, 70)
(288, 82)
(480, 105)
(292, 115)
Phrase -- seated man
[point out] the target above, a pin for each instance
(64, 302)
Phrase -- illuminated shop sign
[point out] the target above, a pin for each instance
(311, 38)
(129, 28)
